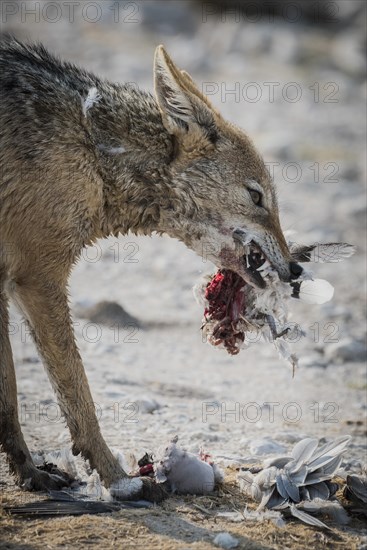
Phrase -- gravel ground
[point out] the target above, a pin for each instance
(241, 409)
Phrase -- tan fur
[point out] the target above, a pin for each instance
(183, 171)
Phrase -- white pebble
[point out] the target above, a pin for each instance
(225, 540)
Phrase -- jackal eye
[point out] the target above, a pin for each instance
(256, 197)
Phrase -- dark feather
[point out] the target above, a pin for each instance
(356, 489)
(65, 504)
(318, 252)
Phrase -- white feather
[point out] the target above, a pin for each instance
(111, 150)
(317, 291)
(92, 98)
(306, 518)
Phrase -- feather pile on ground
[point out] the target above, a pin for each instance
(300, 484)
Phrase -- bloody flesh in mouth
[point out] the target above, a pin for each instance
(225, 296)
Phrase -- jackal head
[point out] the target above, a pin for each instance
(223, 202)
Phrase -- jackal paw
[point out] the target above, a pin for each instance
(138, 488)
(40, 480)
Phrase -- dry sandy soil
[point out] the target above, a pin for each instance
(165, 367)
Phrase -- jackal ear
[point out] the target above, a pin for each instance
(190, 85)
(182, 109)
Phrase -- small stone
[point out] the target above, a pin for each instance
(345, 351)
(108, 313)
(145, 405)
(260, 447)
(225, 540)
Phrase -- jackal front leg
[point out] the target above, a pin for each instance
(46, 309)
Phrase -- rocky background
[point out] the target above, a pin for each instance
(293, 76)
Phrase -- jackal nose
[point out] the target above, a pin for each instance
(295, 270)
